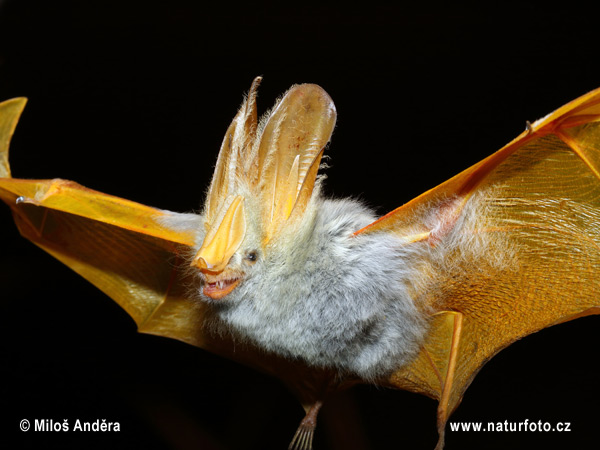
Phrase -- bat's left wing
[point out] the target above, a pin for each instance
(517, 239)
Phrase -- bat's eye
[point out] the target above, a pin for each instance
(251, 257)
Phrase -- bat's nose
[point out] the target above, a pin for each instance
(208, 265)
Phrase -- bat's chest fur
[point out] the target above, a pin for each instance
(332, 299)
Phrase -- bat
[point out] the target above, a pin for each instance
(320, 292)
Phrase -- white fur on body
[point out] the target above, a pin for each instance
(331, 299)
(354, 303)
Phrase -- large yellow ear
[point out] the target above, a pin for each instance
(290, 150)
(235, 159)
(277, 164)
(10, 111)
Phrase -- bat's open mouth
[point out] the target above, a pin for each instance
(219, 289)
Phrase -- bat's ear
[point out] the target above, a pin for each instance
(276, 162)
(10, 111)
(290, 150)
(235, 157)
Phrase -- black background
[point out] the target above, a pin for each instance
(132, 98)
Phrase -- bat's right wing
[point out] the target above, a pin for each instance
(122, 247)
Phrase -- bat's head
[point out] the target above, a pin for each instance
(262, 184)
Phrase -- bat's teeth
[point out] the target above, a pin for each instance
(218, 289)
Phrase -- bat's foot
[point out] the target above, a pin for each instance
(304, 434)
(302, 439)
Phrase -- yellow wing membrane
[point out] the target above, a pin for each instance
(542, 209)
